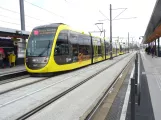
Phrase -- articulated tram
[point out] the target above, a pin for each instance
(56, 47)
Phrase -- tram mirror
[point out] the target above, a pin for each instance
(57, 51)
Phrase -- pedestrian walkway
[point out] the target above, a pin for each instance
(18, 68)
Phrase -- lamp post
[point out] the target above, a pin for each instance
(141, 42)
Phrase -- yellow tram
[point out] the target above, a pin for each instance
(56, 47)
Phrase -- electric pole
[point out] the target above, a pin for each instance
(128, 42)
(105, 43)
(111, 57)
(22, 15)
(132, 44)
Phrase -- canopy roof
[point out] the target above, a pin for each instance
(8, 32)
(153, 30)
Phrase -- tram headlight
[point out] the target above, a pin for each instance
(46, 59)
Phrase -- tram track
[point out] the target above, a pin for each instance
(36, 80)
(40, 107)
(23, 85)
(108, 91)
(13, 79)
(6, 76)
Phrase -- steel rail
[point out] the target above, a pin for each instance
(35, 110)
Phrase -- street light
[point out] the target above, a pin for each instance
(142, 41)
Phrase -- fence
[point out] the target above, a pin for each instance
(135, 86)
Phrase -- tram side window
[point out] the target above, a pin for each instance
(95, 47)
(114, 47)
(62, 46)
(74, 41)
(121, 48)
(86, 40)
(81, 44)
(73, 38)
(107, 48)
(84, 43)
(99, 47)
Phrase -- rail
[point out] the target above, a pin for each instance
(5, 76)
(135, 86)
(55, 98)
(96, 107)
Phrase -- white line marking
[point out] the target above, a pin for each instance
(143, 56)
(120, 75)
(158, 84)
(126, 101)
(143, 73)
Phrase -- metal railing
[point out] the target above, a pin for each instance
(135, 86)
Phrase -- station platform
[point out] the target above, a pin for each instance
(15, 69)
(150, 79)
(152, 68)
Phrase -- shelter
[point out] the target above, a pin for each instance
(14, 40)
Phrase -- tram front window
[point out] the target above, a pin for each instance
(40, 42)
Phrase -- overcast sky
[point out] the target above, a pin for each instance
(81, 14)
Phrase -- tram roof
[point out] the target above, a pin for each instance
(50, 25)
(153, 30)
(8, 32)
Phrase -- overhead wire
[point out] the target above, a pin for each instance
(25, 15)
(43, 9)
(16, 19)
(120, 13)
(12, 23)
(8, 17)
(104, 15)
(125, 18)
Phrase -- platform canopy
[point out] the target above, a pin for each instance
(153, 30)
(8, 32)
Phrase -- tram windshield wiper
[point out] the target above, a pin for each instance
(46, 49)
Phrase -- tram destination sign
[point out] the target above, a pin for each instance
(43, 31)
